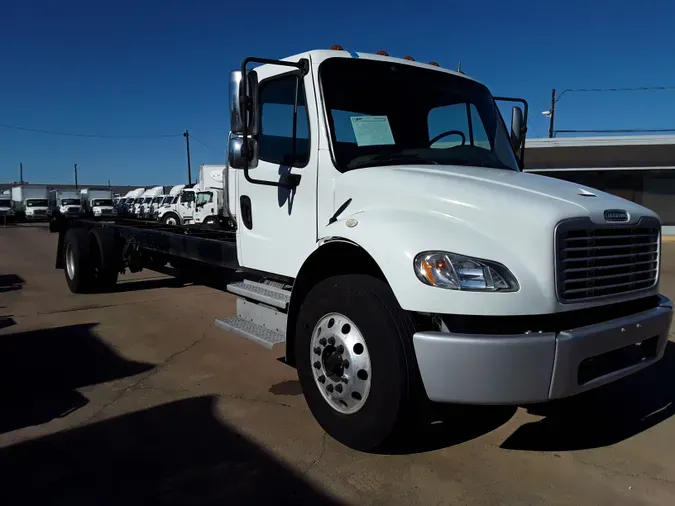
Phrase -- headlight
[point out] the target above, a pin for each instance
(458, 272)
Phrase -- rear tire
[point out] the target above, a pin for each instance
(384, 373)
(211, 221)
(77, 260)
(106, 258)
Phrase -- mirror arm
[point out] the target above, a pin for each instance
(303, 67)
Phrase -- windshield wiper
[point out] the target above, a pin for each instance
(388, 159)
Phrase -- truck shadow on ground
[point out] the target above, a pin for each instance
(604, 416)
(11, 282)
(41, 370)
(175, 453)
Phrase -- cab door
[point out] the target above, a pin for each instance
(276, 225)
(204, 206)
(186, 206)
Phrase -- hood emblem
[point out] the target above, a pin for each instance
(616, 215)
(586, 193)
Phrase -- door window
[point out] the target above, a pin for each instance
(277, 103)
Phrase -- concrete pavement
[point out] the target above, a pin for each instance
(136, 397)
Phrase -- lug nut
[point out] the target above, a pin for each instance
(344, 379)
(322, 341)
(317, 350)
(331, 340)
(340, 349)
(317, 365)
(322, 379)
(345, 364)
(338, 388)
(329, 389)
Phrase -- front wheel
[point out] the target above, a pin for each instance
(170, 219)
(355, 360)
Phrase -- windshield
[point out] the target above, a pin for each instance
(383, 113)
(70, 202)
(147, 200)
(168, 200)
(102, 202)
(5, 203)
(157, 200)
(36, 203)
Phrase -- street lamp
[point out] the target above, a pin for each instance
(550, 114)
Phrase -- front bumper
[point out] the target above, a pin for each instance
(521, 369)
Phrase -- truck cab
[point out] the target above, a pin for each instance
(6, 205)
(97, 203)
(65, 202)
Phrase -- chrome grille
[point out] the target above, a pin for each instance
(595, 261)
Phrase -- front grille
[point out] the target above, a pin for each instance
(39, 211)
(595, 261)
(73, 209)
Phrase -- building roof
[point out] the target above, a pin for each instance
(640, 152)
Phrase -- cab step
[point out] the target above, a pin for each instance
(251, 331)
(267, 294)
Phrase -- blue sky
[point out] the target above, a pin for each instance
(153, 67)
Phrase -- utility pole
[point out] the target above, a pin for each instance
(551, 117)
(75, 166)
(187, 145)
(108, 184)
(21, 172)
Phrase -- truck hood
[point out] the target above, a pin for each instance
(480, 197)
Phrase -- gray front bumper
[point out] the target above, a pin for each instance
(520, 369)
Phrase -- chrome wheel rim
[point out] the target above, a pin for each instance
(340, 363)
(70, 261)
(171, 220)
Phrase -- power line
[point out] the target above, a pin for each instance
(619, 131)
(638, 88)
(94, 136)
(204, 144)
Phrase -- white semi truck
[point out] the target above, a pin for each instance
(201, 204)
(65, 202)
(6, 210)
(131, 199)
(390, 238)
(143, 209)
(169, 206)
(30, 202)
(98, 203)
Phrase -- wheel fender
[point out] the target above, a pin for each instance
(392, 238)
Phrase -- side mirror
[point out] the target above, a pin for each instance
(516, 128)
(236, 155)
(244, 103)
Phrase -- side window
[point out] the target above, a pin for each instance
(187, 197)
(203, 198)
(462, 118)
(277, 99)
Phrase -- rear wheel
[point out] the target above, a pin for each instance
(77, 260)
(106, 258)
(211, 221)
(355, 360)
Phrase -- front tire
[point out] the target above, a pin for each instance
(171, 219)
(355, 360)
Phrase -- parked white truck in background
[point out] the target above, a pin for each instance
(131, 199)
(144, 208)
(169, 205)
(399, 269)
(98, 203)
(30, 202)
(66, 202)
(6, 210)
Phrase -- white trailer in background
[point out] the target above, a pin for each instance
(98, 203)
(66, 202)
(30, 202)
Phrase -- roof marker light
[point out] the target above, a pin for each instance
(337, 47)
(435, 64)
(410, 58)
(382, 53)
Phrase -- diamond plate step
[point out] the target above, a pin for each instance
(251, 331)
(266, 294)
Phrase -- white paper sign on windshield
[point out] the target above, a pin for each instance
(372, 130)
